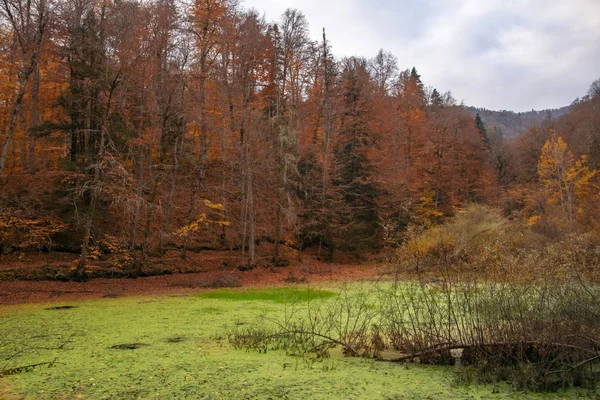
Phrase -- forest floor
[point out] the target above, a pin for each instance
(176, 281)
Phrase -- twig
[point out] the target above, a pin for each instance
(27, 368)
(449, 346)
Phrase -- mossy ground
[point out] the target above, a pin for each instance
(174, 348)
(282, 295)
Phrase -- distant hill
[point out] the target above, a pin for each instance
(512, 124)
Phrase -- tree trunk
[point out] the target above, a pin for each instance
(149, 210)
(190, 214)
(12, 121)
(250, 204)
(280, 179)
(34, 115)
(169, 205)
(224, 110)
(80, 271)
(252, 235)
(203, 113)
(138, 199)
(23, 144)
(326, 150)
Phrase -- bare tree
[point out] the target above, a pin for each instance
(384, 70)
(291, 44)
(28, 21)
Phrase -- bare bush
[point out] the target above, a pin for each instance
(504, 311)
(348, 322)
(548, 329)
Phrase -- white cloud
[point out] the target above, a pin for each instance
(501, 54)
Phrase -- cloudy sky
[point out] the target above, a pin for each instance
(499, 54)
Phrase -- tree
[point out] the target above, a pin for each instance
(502, 157)
(28, 21)
(384, 69)
(252, 45)
(358, 219)
(451, 168)
(482, 131)
(566, 180)
(290, 52)
(208, 18)
(436, 99)
(410, 98)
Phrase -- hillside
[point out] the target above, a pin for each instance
(139, 145)
(513, 124)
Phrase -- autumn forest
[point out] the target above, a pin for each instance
(155, 126)
(196, 146)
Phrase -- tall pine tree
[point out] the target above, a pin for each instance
(354, 176)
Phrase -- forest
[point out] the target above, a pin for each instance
(511, 124)
(164, 136)
(137, 128)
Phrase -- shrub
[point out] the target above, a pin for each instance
(539, 335)
(473, 231)
(21, 232)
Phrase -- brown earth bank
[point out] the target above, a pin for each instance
(201, 270)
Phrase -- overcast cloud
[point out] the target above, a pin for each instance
(499, 54)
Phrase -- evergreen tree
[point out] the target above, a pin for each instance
(435, 99)
(354, 177)
(482, 131)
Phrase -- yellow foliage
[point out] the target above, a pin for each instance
(470, 230)
(558, 169)
(534, 220)
(216, 217)
(213, 206)
(117, 252)
(94, 253)
(426, 209)
(19, 232)
(567, 181)
(427, 242)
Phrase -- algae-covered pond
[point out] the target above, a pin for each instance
(175, 348)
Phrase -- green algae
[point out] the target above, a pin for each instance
(277, 295)
(202, 365)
